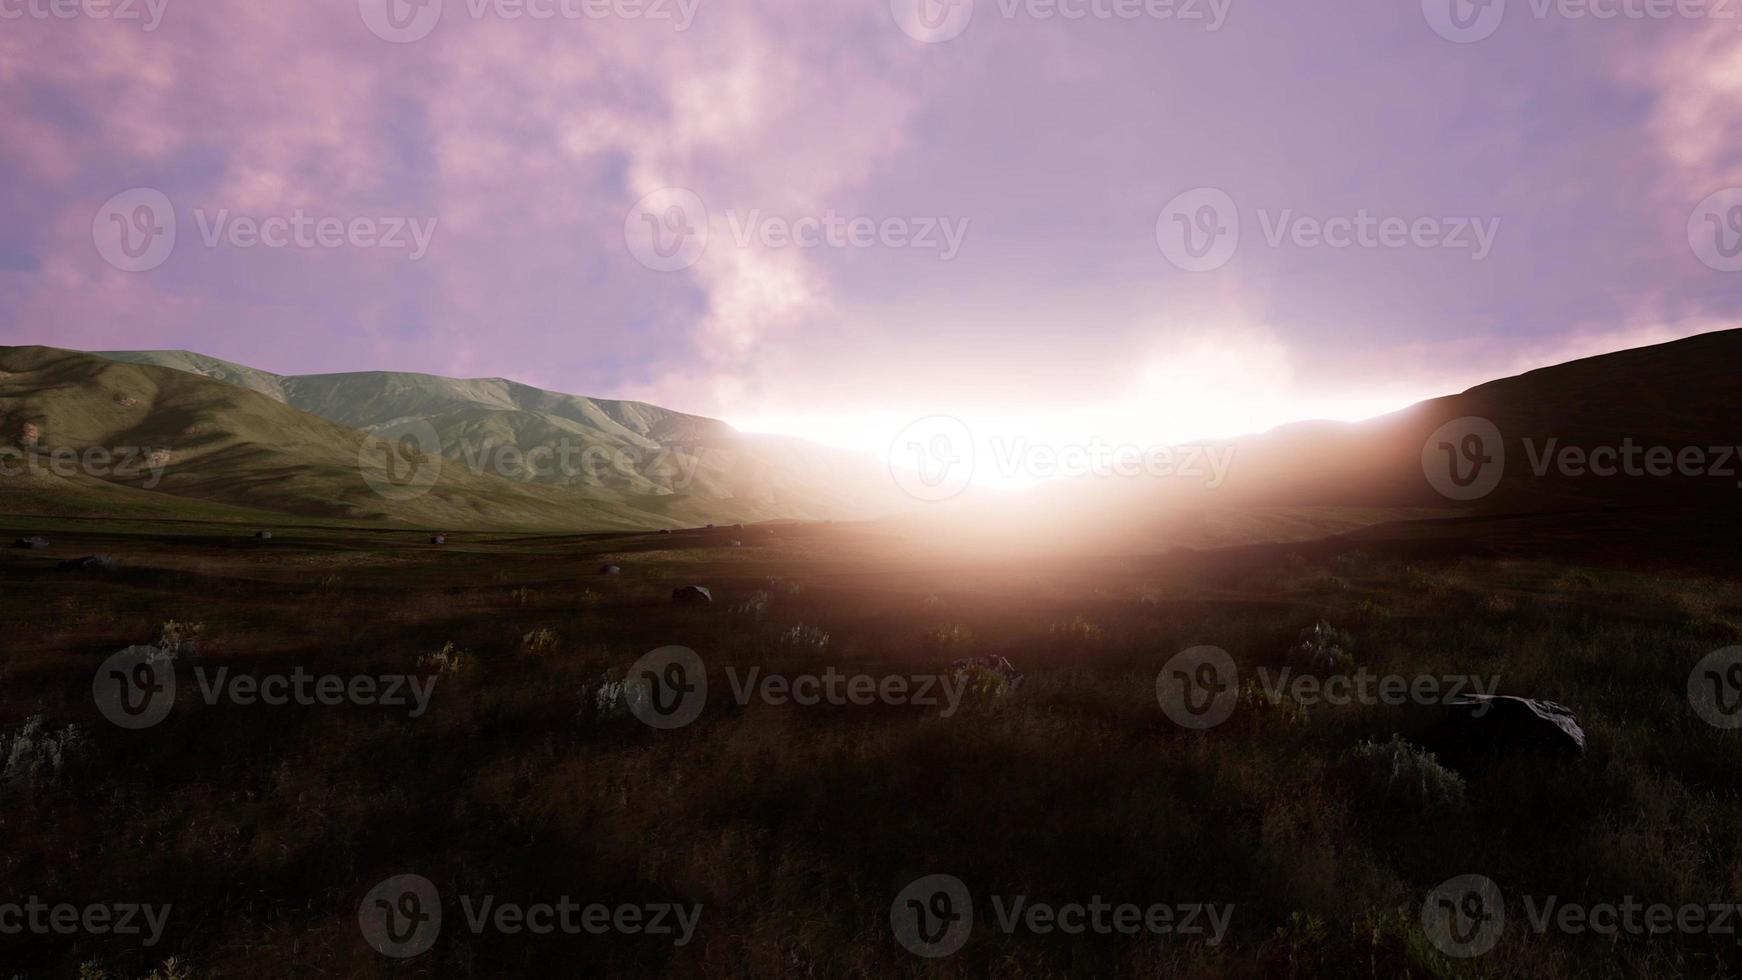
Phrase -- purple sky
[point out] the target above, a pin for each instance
(1585, 144)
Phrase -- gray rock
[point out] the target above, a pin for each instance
(610, 570)
(438, 539)
(692, 595)
(1476, 726)
(263, 535)
(32, 543)
(91, 563)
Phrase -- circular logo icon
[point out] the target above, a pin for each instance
(668, 229)
(1199, 687)
(667, 688)
(401, 917)
(135, 230)
(933, 916)
(1715, 230)
(400, 21)
(1464, 916)
(1465, 458)
(1715, 688)
(401, 462)
(932, 21)
(1199, 230)
(135, 688)
(1464, 21)
(932, 458)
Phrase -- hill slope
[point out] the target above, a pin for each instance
(103, 436)
(500, 427)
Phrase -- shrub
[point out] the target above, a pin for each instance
(805, 638)
(1326, 648)
(947, 638)
(541, 640)
(36, 757)
(1078, 630)
(178, 637)
(1404, 774)
(449, 659)
(755, 605)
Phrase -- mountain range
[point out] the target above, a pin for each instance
(227, 441)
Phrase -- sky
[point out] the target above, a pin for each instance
(1146, 220)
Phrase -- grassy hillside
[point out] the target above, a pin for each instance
(500, 427)
(171, 442)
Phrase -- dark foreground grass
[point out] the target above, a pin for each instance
(795, 827)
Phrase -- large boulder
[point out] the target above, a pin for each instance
(692, 595)
(263, 535)
(1483, 726)
(610, 570)
(31, 543)
(438, 539)
(91, 563)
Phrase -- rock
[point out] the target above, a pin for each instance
(989, 675)
(33, 543)
(90, 563)
(736, 543)
(610, 570)
(263, 535)
(1477, 726)
(438, 539)
(710, 527)
(692, 595)
(665, 530)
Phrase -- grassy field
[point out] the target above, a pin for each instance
(794, 827)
